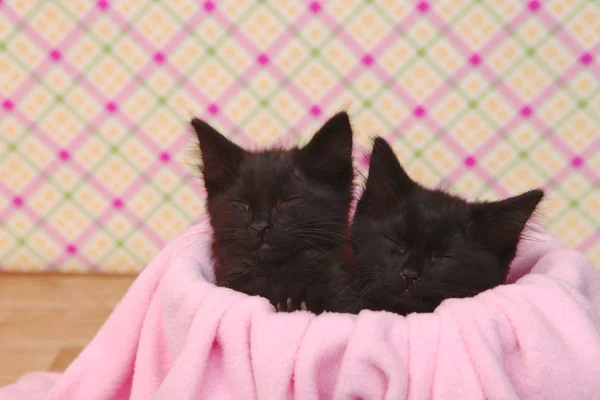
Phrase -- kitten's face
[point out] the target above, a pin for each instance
(274, 211)
(415, 247)
(268, 206)
(422, 252)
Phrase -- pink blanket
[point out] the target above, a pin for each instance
(177, 336)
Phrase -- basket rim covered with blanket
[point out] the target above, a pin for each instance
(175, 335)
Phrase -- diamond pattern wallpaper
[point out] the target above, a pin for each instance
(98, 165)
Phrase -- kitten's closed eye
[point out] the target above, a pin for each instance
(240, 205)
(399, 246)
(288, 201)
(439, 258)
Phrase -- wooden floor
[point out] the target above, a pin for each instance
(45, 320)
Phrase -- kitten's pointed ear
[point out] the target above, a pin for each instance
(220, 157)
(386, 170)
(498, 225)
(328, 155)
(387, 181)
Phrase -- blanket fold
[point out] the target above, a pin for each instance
(177, 336)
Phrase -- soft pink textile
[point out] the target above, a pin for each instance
(177, 336)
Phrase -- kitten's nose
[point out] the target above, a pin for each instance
(260, 228)
(409, 276)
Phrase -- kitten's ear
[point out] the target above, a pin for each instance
(387, 181)
(498, 225)
(386, 170)
(220, 157)
(328, 155)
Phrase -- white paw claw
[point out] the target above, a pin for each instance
(303, 306)
(289, 304)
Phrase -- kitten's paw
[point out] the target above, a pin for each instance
(294, 306)
(290, 298)
(291, 305)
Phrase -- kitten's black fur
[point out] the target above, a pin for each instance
(414, 247)
(280, 216)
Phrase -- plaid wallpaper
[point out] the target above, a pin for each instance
(490, 98)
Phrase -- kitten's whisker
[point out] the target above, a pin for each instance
(324, 238)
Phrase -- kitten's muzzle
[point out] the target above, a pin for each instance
(409, 276)
(260, 228)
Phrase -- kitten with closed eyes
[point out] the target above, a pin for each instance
(414, 247)
(280, 216)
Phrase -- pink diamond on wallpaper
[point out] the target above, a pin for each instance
(586, 58)
(55, 55)
(577, 162)
(534, 5)
(64, 155)
(18, 201)
(315, 7)
(419, 111)
(209, 6)
(526, 111)
(263, 59)
(367, 59)
(423, 6)
(102, 4)
(159, 57)
(315, 110)
(111, 107)
(213, 109)
(165, 157)
(475, 59)
(8, 105)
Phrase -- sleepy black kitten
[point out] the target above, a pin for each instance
(414, 247)
(280, 217)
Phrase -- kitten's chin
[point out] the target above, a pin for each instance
(264, 246)
(267, 253)
(407, 303)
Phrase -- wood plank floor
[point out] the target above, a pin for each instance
(45, 320)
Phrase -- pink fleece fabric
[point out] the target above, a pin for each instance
(177, 336)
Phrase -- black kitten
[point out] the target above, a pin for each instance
(414, 247)
(280, 216)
